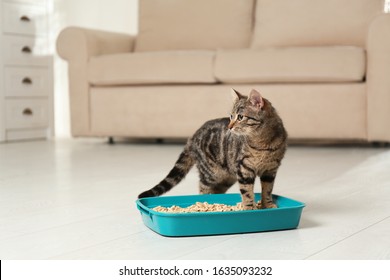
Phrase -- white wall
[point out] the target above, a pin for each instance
(110, 15)
(387, 6)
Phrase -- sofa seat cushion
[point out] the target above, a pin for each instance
(169, 67)
(306, 64)
(194, 24)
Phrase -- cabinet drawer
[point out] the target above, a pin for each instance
(26, 113)
(24, 134)
(25, 51)
(24, 19)
(32, 2)
(26, 82)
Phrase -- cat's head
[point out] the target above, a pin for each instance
(248, 112)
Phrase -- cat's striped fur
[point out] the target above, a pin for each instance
(251, 144)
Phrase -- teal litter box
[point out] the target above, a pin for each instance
(286, 216)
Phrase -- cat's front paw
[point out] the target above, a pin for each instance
(261, 205)
(249, 207)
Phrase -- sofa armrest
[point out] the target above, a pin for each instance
(378, 79)
(77, 44)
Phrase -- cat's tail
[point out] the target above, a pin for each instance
(178, 172)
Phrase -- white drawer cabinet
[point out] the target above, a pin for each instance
(26, 86)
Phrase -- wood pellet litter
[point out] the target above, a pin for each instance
(200, 207)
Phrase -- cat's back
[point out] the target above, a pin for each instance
(211, 129)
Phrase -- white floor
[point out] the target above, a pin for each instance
(75, 199)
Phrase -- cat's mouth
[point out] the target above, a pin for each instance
(234, 131)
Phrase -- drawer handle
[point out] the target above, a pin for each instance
(27, 81)
(25, 18)
(27, 112)
(26, 49)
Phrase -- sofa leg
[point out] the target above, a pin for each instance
(378, 144)
(111, 140)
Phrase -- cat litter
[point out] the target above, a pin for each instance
(200, 207)
(174, 223)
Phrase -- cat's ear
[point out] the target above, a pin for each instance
(256, 99)
(236, 95)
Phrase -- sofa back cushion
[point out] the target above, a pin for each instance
(313, 22)
(194, 24)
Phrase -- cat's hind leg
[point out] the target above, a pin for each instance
(213, 189)
(214, 181)
(205, 189)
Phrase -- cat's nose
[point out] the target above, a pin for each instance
(231, 124)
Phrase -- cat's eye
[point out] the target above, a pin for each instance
(240, 117)
(231, 117)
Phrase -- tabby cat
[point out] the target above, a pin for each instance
(252, 143)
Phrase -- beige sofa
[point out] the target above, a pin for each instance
(324, 64)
